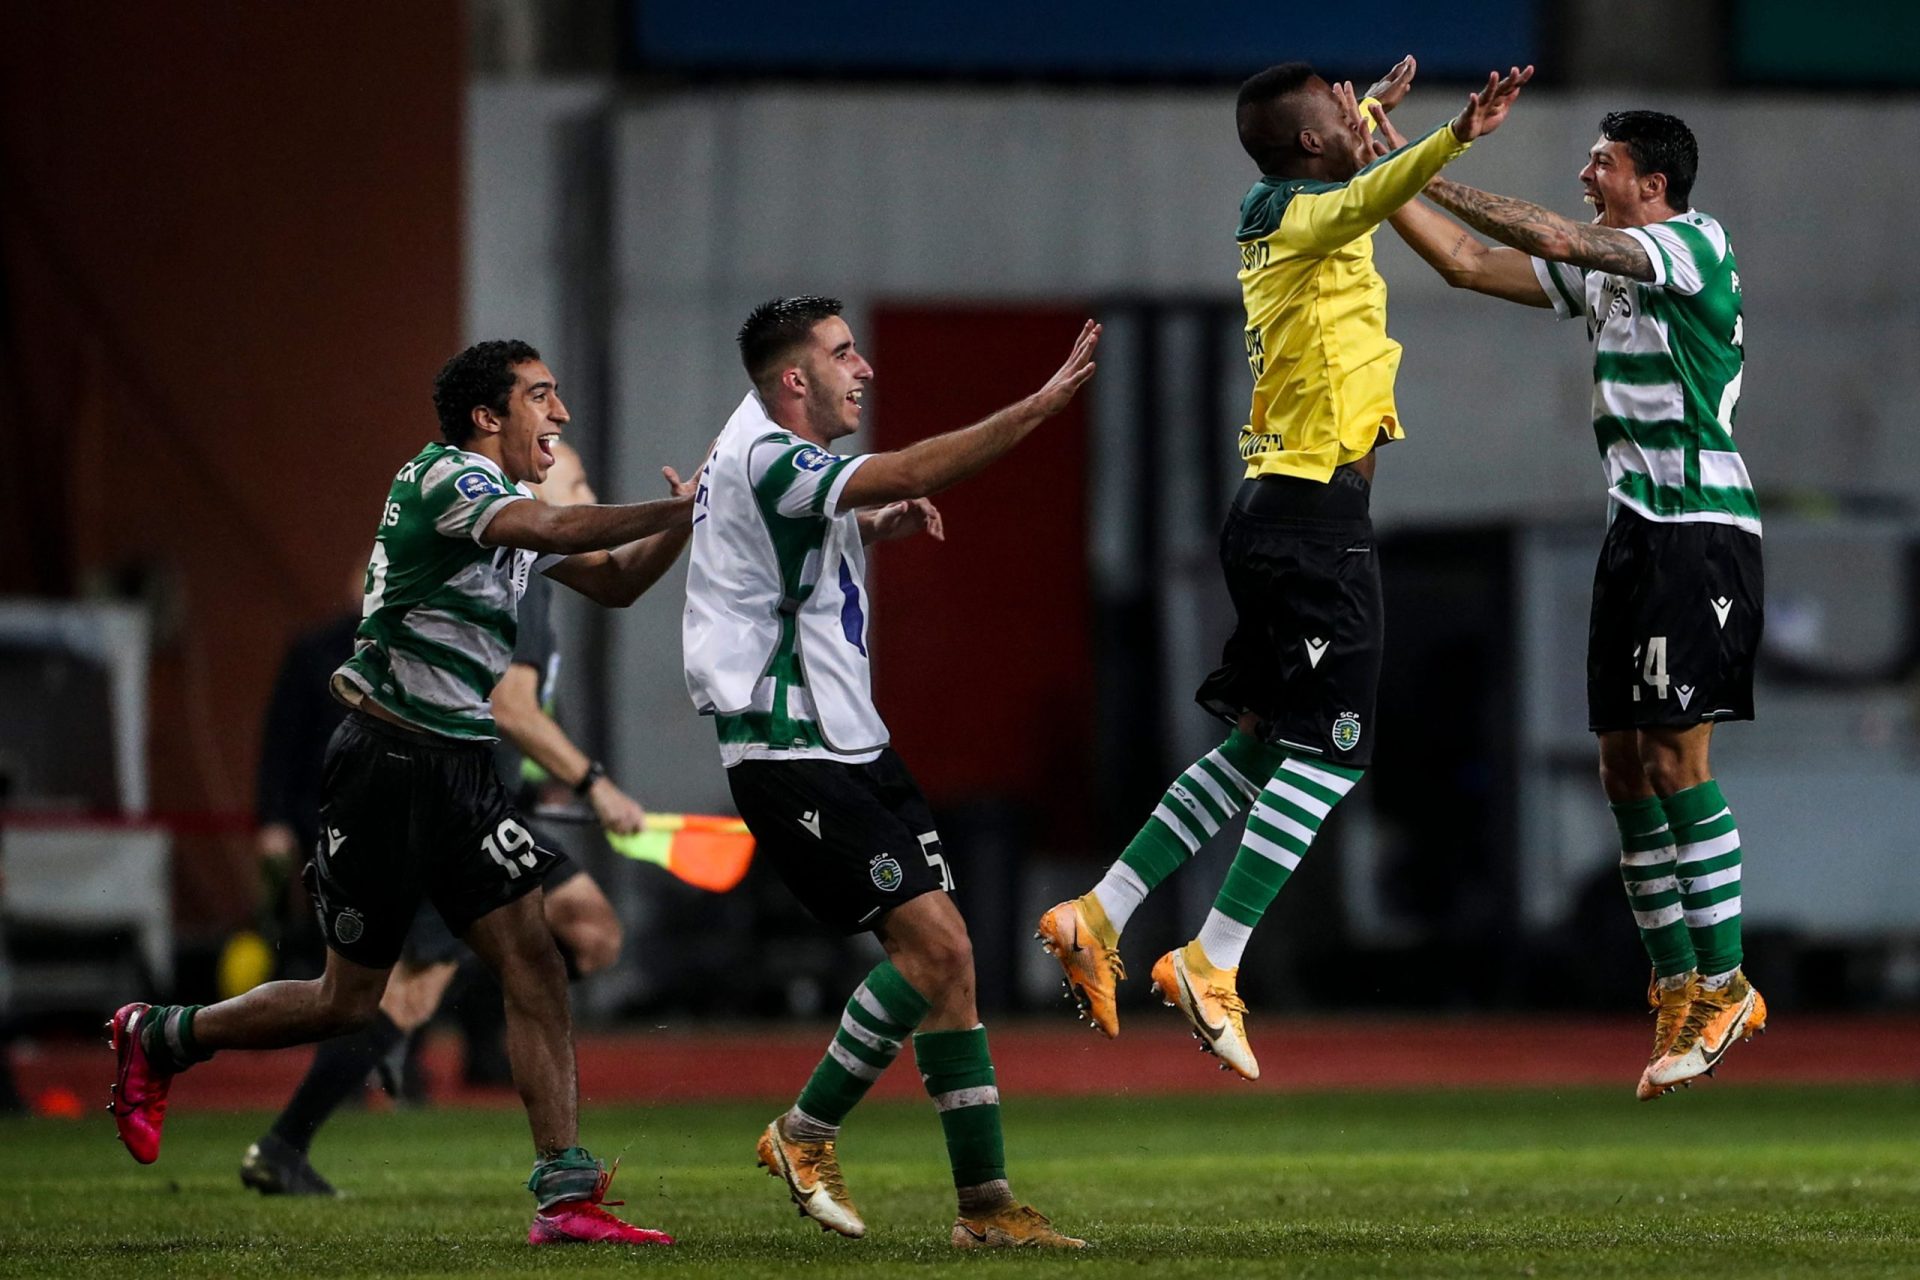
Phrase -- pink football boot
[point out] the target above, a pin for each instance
(139, 1092)
(586, 1222)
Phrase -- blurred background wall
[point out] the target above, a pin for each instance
(239, 240)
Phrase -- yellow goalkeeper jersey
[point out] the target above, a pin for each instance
(1323, 365)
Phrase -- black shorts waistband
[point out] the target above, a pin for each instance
(1346, 496)
(365, 722)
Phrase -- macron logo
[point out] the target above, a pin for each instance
(811, 821)
(1315, 650)
(1721, 607)
(334, 841)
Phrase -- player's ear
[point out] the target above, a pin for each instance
(1309, 142)
(793, 380)
(1654, 186)
(485, 421)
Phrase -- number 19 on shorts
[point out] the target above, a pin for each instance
(1651, 659)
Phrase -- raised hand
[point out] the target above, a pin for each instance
(1488, 107)
(678, 487)
(1386, 137)
(1391, 88)
(904, 519)
(1071, 376)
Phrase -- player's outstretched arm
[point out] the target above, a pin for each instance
(944, 460)
(1461, 260)
(536, 526)
(1543, 233)
(618, 577)
(516, 710)
(1323, 221)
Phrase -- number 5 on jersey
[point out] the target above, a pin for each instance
(930, 847)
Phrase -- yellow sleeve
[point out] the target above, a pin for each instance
(1322, 221)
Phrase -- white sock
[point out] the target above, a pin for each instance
(1119, 892)
(1224, 939)
(1715, 981)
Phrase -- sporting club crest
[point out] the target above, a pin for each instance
(1346, 731)
(886, 874)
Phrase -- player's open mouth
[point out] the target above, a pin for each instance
(855, 397)
(546, 441)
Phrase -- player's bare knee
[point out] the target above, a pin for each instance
(1621, 776)
(347, 1008)
(945, 956)
(592, 947)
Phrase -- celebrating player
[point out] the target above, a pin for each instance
(411, 805)
(776, 651)
(1677, 595)
(582, 920)
(1299, 672)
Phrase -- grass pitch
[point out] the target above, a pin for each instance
(1725, 1181)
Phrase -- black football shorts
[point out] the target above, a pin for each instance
(405, 816)
(1310, 625)
(1678, 609)
(853, 841)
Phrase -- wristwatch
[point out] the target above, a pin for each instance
(595, 772)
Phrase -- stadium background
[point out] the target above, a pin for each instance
(239, 239)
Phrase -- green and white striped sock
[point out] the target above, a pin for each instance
(166, 1034)
(1205, 798)
(1281, 827)
(957, 1071)
(1708, 870)
(1646, 869)
(877, 1021)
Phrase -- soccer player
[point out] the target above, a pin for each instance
(583, 922)
(1677, 595)
(775, 642)
(411, 806)
(1299, 673)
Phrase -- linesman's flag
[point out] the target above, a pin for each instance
(707, 852)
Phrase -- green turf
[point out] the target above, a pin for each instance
(1723, 1182)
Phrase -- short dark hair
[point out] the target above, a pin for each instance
(776, 327)
(480, 375)
(1269, 136)
(1659, 143)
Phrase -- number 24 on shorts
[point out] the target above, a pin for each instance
(1651, 658)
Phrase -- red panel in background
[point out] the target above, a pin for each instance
(982, 652)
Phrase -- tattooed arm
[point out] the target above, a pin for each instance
(1464, 262)
(1542, 232)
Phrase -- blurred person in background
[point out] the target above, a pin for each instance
(301, 717)
(1678, 595)
(533, 752)
(1301, 670)
(775, 646)
(411, 805)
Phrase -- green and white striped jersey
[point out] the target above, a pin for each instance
(1666, 373)
(438, 622)
(774, 639)
(796, 489)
